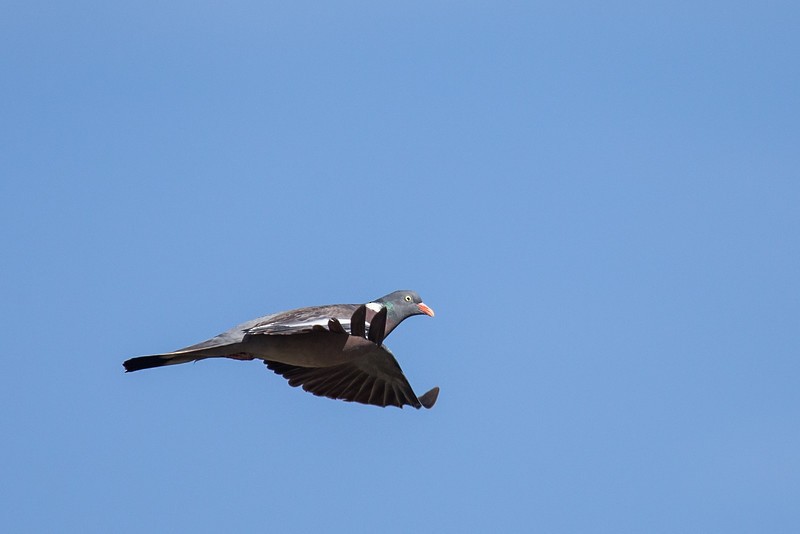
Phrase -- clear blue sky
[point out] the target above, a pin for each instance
(600, 202)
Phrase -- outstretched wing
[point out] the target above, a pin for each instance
(375, 378)
(342, 318)
(304, 320)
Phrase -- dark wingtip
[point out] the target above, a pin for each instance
(335, 326)
(377, 327)
(429, 399)
(358, 321)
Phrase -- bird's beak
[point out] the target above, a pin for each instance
(425, 309)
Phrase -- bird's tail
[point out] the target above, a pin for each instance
(159, 360)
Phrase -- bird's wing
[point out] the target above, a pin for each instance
(337, 318)
(304, 320)
(374, 378)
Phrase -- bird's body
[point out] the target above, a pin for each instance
(334, 351)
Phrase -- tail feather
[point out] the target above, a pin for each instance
(157, 360)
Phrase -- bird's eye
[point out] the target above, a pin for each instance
(408, 298)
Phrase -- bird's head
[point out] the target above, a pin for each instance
(402, 304)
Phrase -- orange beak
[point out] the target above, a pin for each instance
(425, 309)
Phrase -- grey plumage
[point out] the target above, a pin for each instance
(334, 351)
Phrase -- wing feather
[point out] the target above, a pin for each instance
(374, 378)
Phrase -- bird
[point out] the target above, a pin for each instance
(333, 351)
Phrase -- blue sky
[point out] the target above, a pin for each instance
(600, 202)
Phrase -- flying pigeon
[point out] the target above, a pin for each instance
(333, 351)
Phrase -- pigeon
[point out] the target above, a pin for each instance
(333, 351)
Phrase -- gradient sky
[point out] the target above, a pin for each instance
(600, 202)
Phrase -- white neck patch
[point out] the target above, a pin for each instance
(374, 306)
